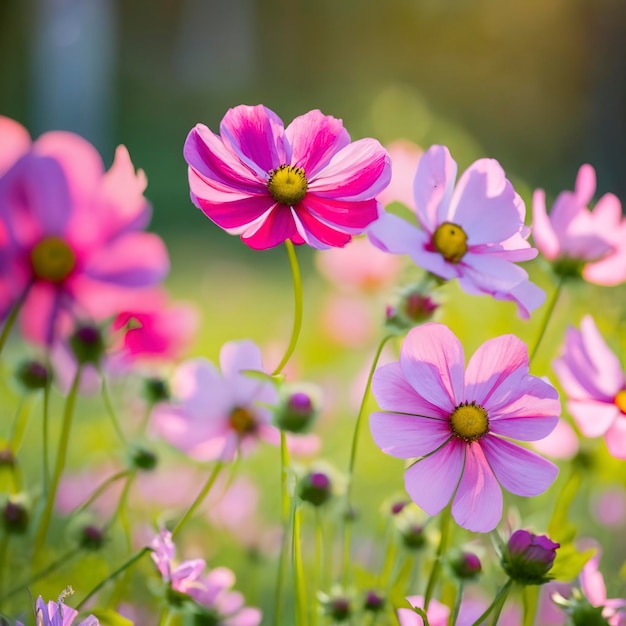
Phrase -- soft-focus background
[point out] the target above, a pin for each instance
(537, 84)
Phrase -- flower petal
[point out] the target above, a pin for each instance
(315, 138)
(345, 214)
(616, 438)
(477, 504)
(393, 234)
(432, 361)
(277, 227)
(593, 417)
(407, 436)
(585, 185)
(432, 481)
(518, 470)
(15, 142)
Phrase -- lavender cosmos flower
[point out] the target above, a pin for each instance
(305, 183)
(595, 386)
(578, 240)
(457, 423)
(59, 614)
(72, 238)
(474, 232)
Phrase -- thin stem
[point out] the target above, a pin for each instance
(45, 459)
(353, 452)
(62, 560)
(297, 315)
(318, 564)
(116, 573)
(298, 569)
(444, 540)
(8, 324)
(19, 425)
(108, 403)
(286, 512)
(4, 549)
(200, 497)
(498, 602)
(60, 462)
(546, 319)
(101, 488)
(457, 604)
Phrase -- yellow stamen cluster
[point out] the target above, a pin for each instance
(620, 401)
(450, 241)
(287, 185)
(242, 421)
(469, 421)
(52, 259)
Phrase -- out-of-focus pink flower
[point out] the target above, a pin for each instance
(595, 386)
(592, 585)
(218, 414)
(576, 239)
(474, 232)
(75, 245)
(561, 443)
(609, 507)
(405, 157)
(548, 613)
(347, 321)
(75, 488)
(59, 614)
(437, 613)
(358, 267)
(153, 330)
(306, 183)
(458, 423)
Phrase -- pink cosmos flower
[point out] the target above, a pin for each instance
(59, 614)
(216, 414)
(474, 232)
(74, 244)
(576, 239)
(594, 589)
(595, 385)
(457, 423)
(306, 183)
(437, 613)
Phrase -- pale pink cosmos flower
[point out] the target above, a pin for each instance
(75, 245)
(473, 231)
(306, 183)
(217, 414)
(576, 239)
(594, 589)
(561, 443)
(595, 385)
(458, 423)
(609, 507)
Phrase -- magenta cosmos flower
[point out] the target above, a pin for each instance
(458, 424)
(595, 385)
(217, 413)
(306, 183)
(577, 240)
(73, 243)
(474, 232)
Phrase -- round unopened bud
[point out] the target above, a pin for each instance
(528, 557)
(205, 617)
(91, 538)
(338, 608)
(87, 344)
(465, 565)
(374, 601)
(315, 488)
(297, 411)
(413, 536)
(397, 507)
(15, 517)
(33, 375)
(156, 390)
(7, 458)
(414, 307)
(143, 459)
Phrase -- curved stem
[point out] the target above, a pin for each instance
(546, 319)
(297, 315)
(60, 463)
(200, 497)
(111, 576)
(101, 488)
(108, 403)
(10, 321)
(444, 540)
(353, 452)
(498, 603)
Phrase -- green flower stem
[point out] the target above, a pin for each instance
(18, 427)
(391, 554)
(133, 559)
(353, 452)
(101, 488)
(298, 569)
(297, 316)
(457, 604)
(108, 403)
(200, 497)
(120, 511)
(8, 324)
(68, 413)
(318, 565)
(444, 540)
(496, 605)
(45, 459)
(4, 549)
(286, 513)
(62, 560)
(546, 319)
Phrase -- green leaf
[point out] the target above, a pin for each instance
(569, 562)
(108, 617)
(560, 528)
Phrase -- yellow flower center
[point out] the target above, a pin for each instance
(52, 259)
(469, 421)
(450, 241)
(620, 401)
(242, 421)
(287, 185)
